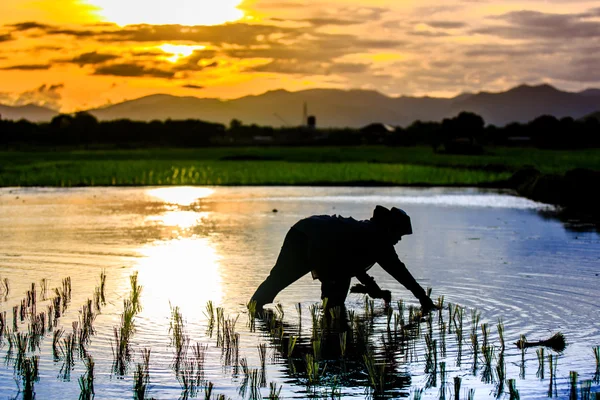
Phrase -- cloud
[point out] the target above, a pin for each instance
(91, 58)
(44, 96)
(191, 86)
(446, 24)
(25, 26)
(534, 24)
(6, 37)
(311, 68)
(27, 67)
(133, 70)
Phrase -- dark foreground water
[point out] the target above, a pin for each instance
(490, 253)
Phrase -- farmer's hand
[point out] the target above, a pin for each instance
(358, 288)
(427, 305)
(386, 295)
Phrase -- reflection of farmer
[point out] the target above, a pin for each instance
(335, 249)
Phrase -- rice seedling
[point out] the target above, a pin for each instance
(313, 370)
(475, 347)
(86, 381)
(31, 297)
(540, 357)
(443, 339)
(68, 357)
(210, 315)
(208, 391)
(179, 339)
(316, 347)
(254, 385)
(488, 356)
(15, 320)
(471, 394)
(4, 288)
(44, 289)
(501, 374)
(136, 293)
(596, 351)
(274, 391)
(23, 310)
(262, 353)
(57, 348)
(199, 353)
(557, 343)
(103, 287)
(187, 377)
(586, 390)
(291, 345)
(2, 324)
(29, 375)
(573, 376)
(430, 343)
(512, 389)
(457, 383)
(500, 327)
(122, 337)
(343, 343)
(443, 381)
(21, 342)
(552, 366)
(418, 394)
(86, 321)
(522, 365)
(37, 330)
(376, 373)
(141, 377)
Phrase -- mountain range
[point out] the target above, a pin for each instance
(343, 108)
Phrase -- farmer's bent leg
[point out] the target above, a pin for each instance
(291, 265)
(335, 291)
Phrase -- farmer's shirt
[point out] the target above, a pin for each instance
(345, 247)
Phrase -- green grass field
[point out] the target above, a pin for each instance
(280, 166)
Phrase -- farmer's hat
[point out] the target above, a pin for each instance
(396, 220)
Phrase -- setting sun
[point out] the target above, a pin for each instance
(177, 52)
(182, 12)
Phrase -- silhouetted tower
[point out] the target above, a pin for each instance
(304, 115)
(311, 122)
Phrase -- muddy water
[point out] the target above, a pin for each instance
(483, 250)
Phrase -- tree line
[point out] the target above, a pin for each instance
(466, 133)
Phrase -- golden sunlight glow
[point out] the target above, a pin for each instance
(182, 12)
(179, 51)
(183, 272)
(183, 195)
(180, 219)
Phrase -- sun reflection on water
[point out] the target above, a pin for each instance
(182, 272)
(181, 195)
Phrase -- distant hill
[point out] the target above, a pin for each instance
(355, 108)
(592, 115)
(29, 112)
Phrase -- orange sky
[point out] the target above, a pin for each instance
(79, 54)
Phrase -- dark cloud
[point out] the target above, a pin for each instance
(331, 21)
(27, 67)
(191, 86)
(194, 61)
(535, 24)
(133, 70)
(428, 34)
(6, 37)
(445, 24)
(309, 68)
(25, 26)
(91, 58)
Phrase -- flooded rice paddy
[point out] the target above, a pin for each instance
(500, 266)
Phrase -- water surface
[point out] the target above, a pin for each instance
(484, 250)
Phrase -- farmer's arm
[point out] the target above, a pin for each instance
(372, 288)
(390, 262)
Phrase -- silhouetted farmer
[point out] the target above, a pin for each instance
(335, 249)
